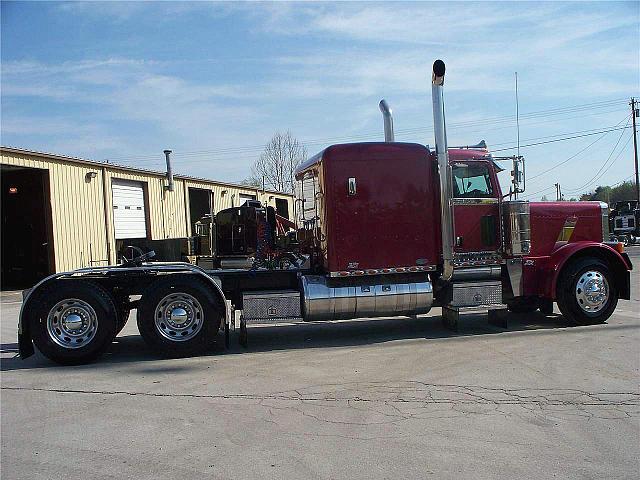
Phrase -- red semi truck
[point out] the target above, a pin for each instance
(382, 229)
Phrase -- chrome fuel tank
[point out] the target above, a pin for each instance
(323, 302)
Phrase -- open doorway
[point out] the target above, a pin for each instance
(27, 234)
(200, 217)
(282, 207)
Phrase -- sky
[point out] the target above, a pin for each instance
(122, 81)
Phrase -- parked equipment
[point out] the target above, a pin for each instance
(625, 217)
(382, 229)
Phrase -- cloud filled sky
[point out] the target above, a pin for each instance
(214, 81)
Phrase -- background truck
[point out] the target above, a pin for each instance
(382, 229)
(624, 219)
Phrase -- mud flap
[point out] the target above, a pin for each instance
(624, 285)
(25, 345)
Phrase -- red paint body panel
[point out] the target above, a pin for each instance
(540, 274)
(467, 218)
(468, 226)
(548, 254)
(393, 220)
(560, 257)
(548, 218)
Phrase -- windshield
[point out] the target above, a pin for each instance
(471, 181)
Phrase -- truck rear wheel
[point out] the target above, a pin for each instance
(73, 321)
(586, 292)
(179, 315)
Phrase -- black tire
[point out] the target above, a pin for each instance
(46, 321)
(567, 286)
(204, 325)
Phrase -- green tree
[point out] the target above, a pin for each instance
(611, 195)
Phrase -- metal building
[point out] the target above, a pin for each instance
(60, 213)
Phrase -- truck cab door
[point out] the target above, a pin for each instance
(476, 208)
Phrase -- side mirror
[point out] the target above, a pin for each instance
(517, 175)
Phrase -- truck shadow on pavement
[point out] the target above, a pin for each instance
(267, 338)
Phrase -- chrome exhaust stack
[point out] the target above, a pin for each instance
(440, 130)
(387, 116)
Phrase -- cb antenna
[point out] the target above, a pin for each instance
(518, 172)
(517, 115)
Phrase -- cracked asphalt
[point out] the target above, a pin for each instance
(386, 398)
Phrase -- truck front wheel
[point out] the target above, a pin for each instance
(73, 321)
(586, 292)
(179, 315)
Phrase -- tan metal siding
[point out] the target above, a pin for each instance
(78, 233)
(77, 206)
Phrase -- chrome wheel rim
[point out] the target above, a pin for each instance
(72, 323)
(592, 291)
(179, 317)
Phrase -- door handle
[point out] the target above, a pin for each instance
(351, 186)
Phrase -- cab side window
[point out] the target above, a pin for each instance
(471, 181)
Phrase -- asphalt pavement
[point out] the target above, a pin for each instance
(387, 398)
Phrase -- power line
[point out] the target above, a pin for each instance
(610, 129)
(623, 181)
(609, 157)
(373, 136)
(596, 178)
(531, 195)
(580, 151)
(569, 135)
(501, 119)
(552, 187)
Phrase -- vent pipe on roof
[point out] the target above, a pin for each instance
(387, 115)
(169, 186)
(440, 130)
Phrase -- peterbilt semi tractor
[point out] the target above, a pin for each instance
(382, 229)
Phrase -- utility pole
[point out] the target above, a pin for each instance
(558, 192)
(634, 113)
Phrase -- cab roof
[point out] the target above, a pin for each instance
(455, 153)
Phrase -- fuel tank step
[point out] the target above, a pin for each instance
(476, 294)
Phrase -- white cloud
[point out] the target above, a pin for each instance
(328, 84)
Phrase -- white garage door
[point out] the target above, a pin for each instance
(128, 209)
